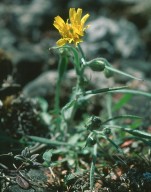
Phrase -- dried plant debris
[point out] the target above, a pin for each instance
(20, 116)
(134, 176)
(25, 173)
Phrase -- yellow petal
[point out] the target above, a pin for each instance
(78, 15)
(72, 14)
(78, 31)
(56, 25)
(59, 22)
(84, 18)
(61, 42)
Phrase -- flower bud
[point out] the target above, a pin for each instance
(107, 131)
(93, 123)
(108, 73)
(96, 65)
(90, 141)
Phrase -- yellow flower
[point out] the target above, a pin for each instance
(73, 31)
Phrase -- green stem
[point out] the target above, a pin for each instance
(79, 84)
(81, 51)
(109, 110)
(63, 60)
(83, 59)
(109, 105)
(57, 97)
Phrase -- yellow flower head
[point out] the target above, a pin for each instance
(73, 29)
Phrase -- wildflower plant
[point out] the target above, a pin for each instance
(71, 140)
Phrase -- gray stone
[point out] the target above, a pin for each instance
(42, 85)
(116, 37)
(45, 84)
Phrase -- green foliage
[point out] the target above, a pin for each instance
(70, 139)
(47, 157)
(92, 169)
(125, 98)
(26, 158)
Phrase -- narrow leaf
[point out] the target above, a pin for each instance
(48, 141)
(125, 98)
(68, 105)
(138, 133)
(67, 109)
(115, 145)
(122, 73)
(122, 117)
(103, 90)
(132, 91)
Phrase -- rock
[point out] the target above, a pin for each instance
(141, 106)
(89, 5)
(31, 19)
(142, 7)
(138, 65)
(28, 19)
(109, 38)
(22, 35)
(45, 84)
(29, 62)
(7, 39)
(146, 34)
(42, 85)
